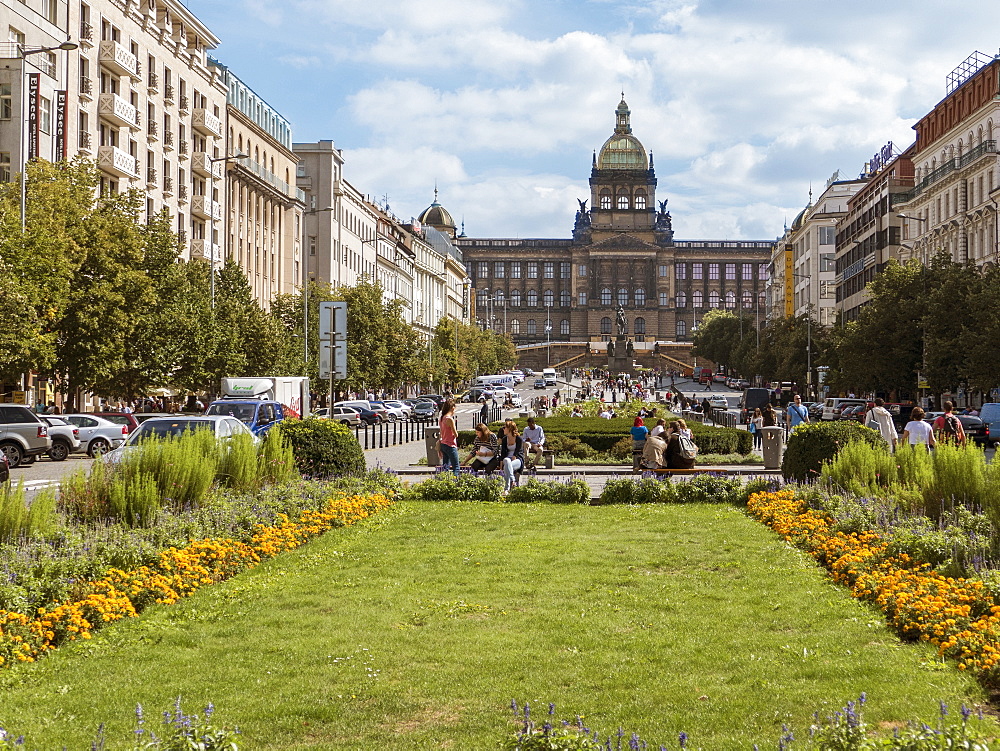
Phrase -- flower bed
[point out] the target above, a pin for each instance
(177, 573)
(959, 616)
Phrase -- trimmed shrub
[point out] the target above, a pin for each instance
(537, 491)
(810, 446)
(446, 487)
(624, 490)
(323, 448)
(709, 488)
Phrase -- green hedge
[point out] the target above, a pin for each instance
(809, 446)
(602, 435)
(323, 448)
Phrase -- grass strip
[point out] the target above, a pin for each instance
(416, 629)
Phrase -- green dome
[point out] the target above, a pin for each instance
(622, 150)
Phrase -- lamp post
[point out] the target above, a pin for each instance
(211, 211)
(548, 333)
(22, 53)
(808, 338)
(305, 286)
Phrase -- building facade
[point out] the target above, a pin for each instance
(952, 206)
(137, 95)
(622, 252)
(263, 217)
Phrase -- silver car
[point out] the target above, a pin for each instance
(23, 435)
(97, 435)
(65, 437)
(224, 427)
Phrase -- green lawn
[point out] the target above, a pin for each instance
(415, 631)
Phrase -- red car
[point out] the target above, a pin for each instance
(119, 418)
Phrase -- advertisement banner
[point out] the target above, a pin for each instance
(61, 129)
(789, 283)
(34, 103)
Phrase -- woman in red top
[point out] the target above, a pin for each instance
(449, 436)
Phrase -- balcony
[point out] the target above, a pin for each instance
(182, 194)
(84, 142)
(86, 89)
(115, 161)
(168, 94)
(204, 208)
(86, 34)
(205, 122)
(117, 59)
(201, 164)
(151, 177)
(153, 84)
(202, 248)
(116, 110)
(152, 130)
(182, 150)
(974, 154)
(184, 105)
(168, 186)
(168, 140)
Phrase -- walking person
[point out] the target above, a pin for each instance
(770, 416)
(756, 424)
(917, 432)
(796, 414)
(880, 419)
(706, 409)
(449, 437)
(511, 454)
(948, 427)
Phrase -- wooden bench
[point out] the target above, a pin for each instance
(695, 471)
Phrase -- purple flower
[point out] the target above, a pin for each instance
(683, 739)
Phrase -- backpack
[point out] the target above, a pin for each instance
(951, 426)
(688, 448)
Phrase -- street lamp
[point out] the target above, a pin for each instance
(305, 286)
(809, 374)
(548, 333)
(23, 54)
(211, 210)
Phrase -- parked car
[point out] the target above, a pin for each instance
(719, 378)
(853, 412)
(348, 416)
(397, 404)
(65, 437)
(834, 406)
(370, 416)
(989, 413)
(141, 417)
(539, 383)
(424, 411)
(974, 427)
(755, 398)
(23, 435)
(718, 402)
(392, 413)
(436, 398)
(119, 418)
(4, 469)
(224, 427)
(97, 435)
(816, 411)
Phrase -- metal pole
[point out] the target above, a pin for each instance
(211, 219)
(24, 144)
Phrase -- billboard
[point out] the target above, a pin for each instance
(34, 103)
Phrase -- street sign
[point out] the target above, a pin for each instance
(333, 340)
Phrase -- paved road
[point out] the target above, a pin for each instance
(45, 472)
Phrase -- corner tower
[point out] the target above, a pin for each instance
(622, 184)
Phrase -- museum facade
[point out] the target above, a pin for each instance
(622, 253)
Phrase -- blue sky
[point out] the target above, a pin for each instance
(743, 104)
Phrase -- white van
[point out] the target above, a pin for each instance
(833, 407)
(549, 374)
(505, 379)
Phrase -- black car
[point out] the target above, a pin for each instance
(975, 429)
(423, 411)
(368, 417)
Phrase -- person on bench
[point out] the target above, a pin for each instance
(485, 455)
(534, 441)
(654, 452)
(674, 454)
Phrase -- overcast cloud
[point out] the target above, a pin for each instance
(744, 105)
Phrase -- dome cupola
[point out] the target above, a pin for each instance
(622, 150)
(437, 216)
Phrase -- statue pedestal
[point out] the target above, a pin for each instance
(621, 365)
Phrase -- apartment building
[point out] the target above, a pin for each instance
(137, 95)
(952, 205)
(263, 217)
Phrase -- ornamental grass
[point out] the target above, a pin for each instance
(957, 615)
(177, 573)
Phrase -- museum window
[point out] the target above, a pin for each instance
(640, 200)
(550, 270)
(481, 297)
(762, 300)
(640, 297)
(747, 274)
(713, 299)
(564, 327)
(549, 298)
(532, 328)
(680, 271)
(581, 270)
(663, 270)
(713, 271)
(605, 296)
(484, 270)
(581, 298)
(696, 270)
(515, 298)
(564, 298)
(623, 297)
(605, 199)
(532, 298)
(639, 326)
(564, 269)
(499, 267)
(730, 299)
(501, 300)
(605, 325)
(682, 329)
(664, 300)
(696, 299)
(731, 272)
(532, 269)
(682, 299)
(747, 299)
(515, 270)
(622, 201)
(515, 326)
(762, 273)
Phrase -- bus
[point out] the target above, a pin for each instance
(504, 379)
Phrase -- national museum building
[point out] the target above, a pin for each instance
(622, 252)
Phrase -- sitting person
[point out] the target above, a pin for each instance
(577, 412)
(534, 440)
(660, 428)
(683, 429)
(511, 453)
(674, 455)
(485, 450)
(654, 452)
(606, 413)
